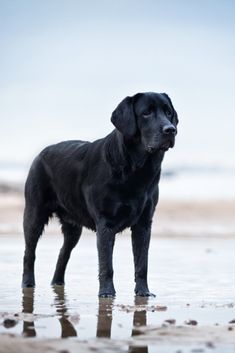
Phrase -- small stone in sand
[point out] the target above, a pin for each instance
(232, 321)
(210, 345)
(160, 308)
(191, 322)
(170, 321)
(8, 323)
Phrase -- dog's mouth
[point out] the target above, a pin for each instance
(163, 147)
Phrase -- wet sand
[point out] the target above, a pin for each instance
(191, 272)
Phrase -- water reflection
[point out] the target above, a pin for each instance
(139, 319)
(67, 328)
(28, 307)
(104, 317)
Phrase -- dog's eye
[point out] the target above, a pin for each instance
(167, 110)
(147, 113)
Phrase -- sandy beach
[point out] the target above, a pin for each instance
(191, 270)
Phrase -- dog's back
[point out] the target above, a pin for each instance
(107, 186)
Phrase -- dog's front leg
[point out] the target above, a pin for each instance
(140, 246)
(105, 243)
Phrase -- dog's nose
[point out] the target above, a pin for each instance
(169, 129)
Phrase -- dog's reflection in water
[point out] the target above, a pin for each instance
(139, 319)
(104, 321)
(28, 308)
(67, 328)
(105, 317)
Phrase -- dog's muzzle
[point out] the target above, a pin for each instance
(163, 146)
(169, 144)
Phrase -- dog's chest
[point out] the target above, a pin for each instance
(123, 212)
(120, 203)
(122, 207)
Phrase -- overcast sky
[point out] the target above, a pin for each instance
(65, 65)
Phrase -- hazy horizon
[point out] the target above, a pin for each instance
(66, 65)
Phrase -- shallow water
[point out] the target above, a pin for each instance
(193, 278)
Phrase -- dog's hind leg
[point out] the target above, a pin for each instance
(72, 235)
(35, 219)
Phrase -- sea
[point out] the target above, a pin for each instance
(178, 182)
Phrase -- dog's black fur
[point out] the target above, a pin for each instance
(107, 185)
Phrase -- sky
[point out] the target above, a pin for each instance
(65, 66)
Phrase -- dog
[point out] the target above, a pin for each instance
(106, 185)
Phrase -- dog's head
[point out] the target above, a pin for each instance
(151, 116)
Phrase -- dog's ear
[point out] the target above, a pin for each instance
(123, 117)
(175, 113)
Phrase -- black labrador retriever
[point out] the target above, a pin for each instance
(107, 185)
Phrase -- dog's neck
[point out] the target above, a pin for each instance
(138, 154)
(132, 154)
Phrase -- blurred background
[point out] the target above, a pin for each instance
(65, 65)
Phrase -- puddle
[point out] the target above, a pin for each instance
(192, 278)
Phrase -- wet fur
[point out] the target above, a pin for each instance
(107, 185)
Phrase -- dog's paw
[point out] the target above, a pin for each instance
(28, 281)
(107, 289)
(27, 285)
(142, 293)
(57, 283)
(106, 295)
